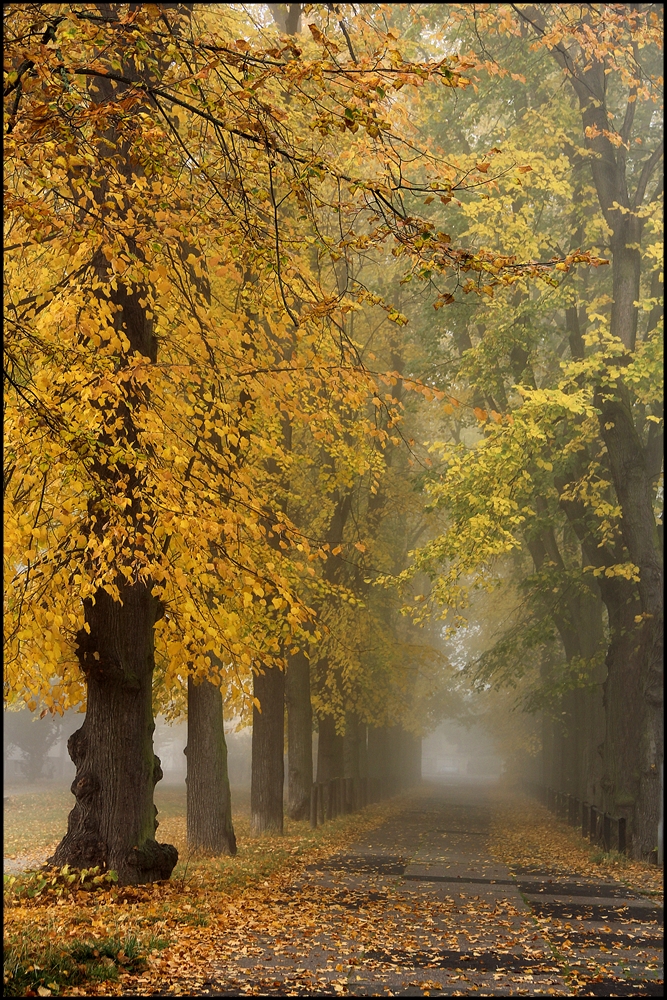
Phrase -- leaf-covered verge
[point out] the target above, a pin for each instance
(61, 939)
(526, 833)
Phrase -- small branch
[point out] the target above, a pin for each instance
(629, 115)
(645, 176)
(341, 24)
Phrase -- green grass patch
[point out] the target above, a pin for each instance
(33, 965)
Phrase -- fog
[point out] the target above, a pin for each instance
(456, 751)
(35, 752)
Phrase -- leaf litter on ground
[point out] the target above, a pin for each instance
(169, 924)
(227, 919)
(526, 834)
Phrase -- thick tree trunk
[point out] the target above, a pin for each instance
(377, 762)
(268, 739)
(209, 801)
(329, 750)
(633, 484)
(114, 820)
(299, 737)
(351, 746)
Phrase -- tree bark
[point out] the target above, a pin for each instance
(209, 801)
(351, 746)
(377, 762)
(114, 820)
(268, 738)
(299, 737)
(287, 16)
(329, 750)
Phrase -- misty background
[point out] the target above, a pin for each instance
(35, 752)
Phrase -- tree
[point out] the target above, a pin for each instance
(634, 664)
(33, 741)
(140, 504)
(209, 807)
(544, 476)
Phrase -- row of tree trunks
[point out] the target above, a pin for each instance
(634, 740)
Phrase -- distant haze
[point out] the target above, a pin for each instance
(35, 750)
(453, 751)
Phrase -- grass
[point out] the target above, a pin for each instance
(35, 821)
(34, 967)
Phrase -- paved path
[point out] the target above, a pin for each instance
(419, 908)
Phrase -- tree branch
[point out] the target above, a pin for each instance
(645, 175)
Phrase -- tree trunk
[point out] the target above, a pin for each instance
(329, 750)
(377, 762)
(620, 782)
(411, 766)
(362, 750)
(114, 820)
(633, 486)
(268, 739)
(209, 802)
(299, 737)
(351, 743)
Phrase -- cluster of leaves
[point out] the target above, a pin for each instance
(55, 883)
(245, 202)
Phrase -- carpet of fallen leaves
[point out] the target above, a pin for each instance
(525, 833)
(171, 925)
(260, 923)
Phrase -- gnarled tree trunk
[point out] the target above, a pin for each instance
(209, 800)
(268, 736)
(299, 737)
(114, 820)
